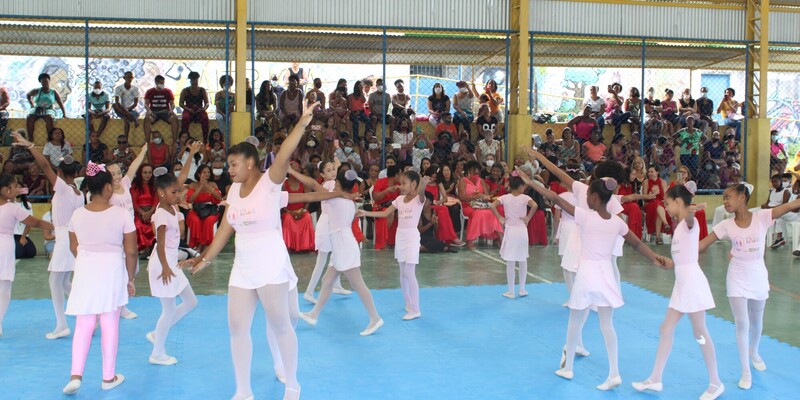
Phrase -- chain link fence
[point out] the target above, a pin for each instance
(783, 107)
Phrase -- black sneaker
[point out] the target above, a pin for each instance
(796, 253)
(778, 243)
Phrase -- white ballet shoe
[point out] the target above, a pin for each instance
(564, 304)
(310, 298)
(645, 385)
(127, 314)
(169, 361)
(581, 351)
(72, 387)
(118, 379)
(563, 362)
(610, 384)
(713, 395)
(509, 295)
(565, 374)
(248, 397)
(370, 331)
(342, 291)
(56, 335)
(308, 319)
(745, 385)
(412, 315)
(523, 293)
(151, 337)
(291, 394)
(280, 377)
(759, 366)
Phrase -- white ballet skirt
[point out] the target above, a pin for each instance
(322, 239)
(270, 265)
(175, 285)
(99, 285)
(347, 254)
(515, 243)
(406, 246)
(8, 265)
(565, 228)
(748, 279)
(62, 259)
(572, 252)
(691, 292)
(595, 286)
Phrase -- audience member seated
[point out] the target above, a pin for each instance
(438, 104)
(35, 182)
(423, 149)
(687, 107)
(776, 150)
(708, 176)
(220, 177)
(126, 102)
(618, 151)
(122, 154)
(714, 150)
(462, 107)
(537, 226)
(596, 107)
(204, 196)
(442, 148)
(494, 99)
(145, 203)
(24, 247)
(42, 101)
(215, 147)
(449, 183)
(497, 180)
(594, 151)
(655, 128)
(267, 107)
(669, 109)
(379, 102)
(475, 200)
(570, 148)
(194, 101)
(356, 105)
(298, 228)
(195, 163)
(349, 153)
(445, 231)
(159, 103)
(689, 140)
(401, 103)
(705, 108)
(631, 208)
(488, 146)
(583, 125)
(5, 101)
(98, 151)
(549, 148)
(613, 108)
(225, 100)
(633, 105)
(655, 213)
(99, 107)
(20, 157)
(56, 147)
(159, 152)
(729, 109)
(662, 156)
(384, 192)
(321, 112)
(682, 176)
(429, 226)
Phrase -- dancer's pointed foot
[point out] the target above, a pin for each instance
(372, 328)
(306, 317)
(163, 360)
(647, 384)
(310, 298)
(72, 387)
(713, 392)
(565, 374)
(610, 383)
(58, 334)
(151, 337)
(342, 291)
(412, 315)
(280, 376)
(581, 351)
(758, 363)
(745, 383)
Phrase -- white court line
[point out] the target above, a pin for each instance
(493, 258)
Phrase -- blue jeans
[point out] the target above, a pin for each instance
(619, 120)
(458, 119)
(602, 122)
(356, 116)
(731, 123)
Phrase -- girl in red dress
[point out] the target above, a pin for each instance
(444, 228)
(631, 208)
(201, 193)
(145, 201)
(655, 213)
(298, 228)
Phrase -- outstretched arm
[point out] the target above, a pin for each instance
(707, 241)
(661, 261)
(307, 181)
(376, 214)
(37, 155)
(277, 172)
(637, 197)
(221, 237)
(782, 209)
(548, 194)
(421, 189)
(320, 196)
(138, 162)
(544, 162)
(34, 222)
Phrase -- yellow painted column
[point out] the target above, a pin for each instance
(756, 156)
(756, 159)
(519, 122)
(240, 118)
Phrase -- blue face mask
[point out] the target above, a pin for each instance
(421, 144)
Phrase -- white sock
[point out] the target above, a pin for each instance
(523, 274)
(510, 275)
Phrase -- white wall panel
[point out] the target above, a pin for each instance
(201, 10)
(784, 27)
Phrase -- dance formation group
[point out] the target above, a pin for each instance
(96, 241)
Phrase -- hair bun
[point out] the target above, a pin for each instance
(610, 183)
(68, 159)
(160, 171)
(749, 188)
(350, 175)
(691, 186)
(252, 140)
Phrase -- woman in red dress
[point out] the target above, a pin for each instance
(202, 194)
(145, 201)
(655, 213)
(444, 229)
(631, 208)
(537, 226)
(473, 191)
(298, 228)
(384, 192)
(681, 177)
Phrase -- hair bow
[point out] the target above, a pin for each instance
(93, 169)
(749, 187)
(160, 171)
(350, 175)
(252, 140)
(610, 183)
(691, 186)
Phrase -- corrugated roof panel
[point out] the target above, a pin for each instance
(784, 27)
(181, 10)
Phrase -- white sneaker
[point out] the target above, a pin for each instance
(72, 387)
(118, 379)
(56, 335)
(169, 361)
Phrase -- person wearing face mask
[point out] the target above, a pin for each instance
(462, 105)
(220, 177)
(687, 107)
(313, 146)
(714, 150)
(277, 88)
(438, 104)
(349, 153)
(194, 101)
(379, 102)
(159, 103)
(99, 107)
(705, 109)
(487, 146)
(159, 152)
(321, 113)
(423, 148)
(372, 156)
(356, 105)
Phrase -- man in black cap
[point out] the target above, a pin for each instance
(705, 107)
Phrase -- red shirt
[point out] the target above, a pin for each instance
(300, 189)
(446, 128)
(158, 154)
(159, 100)
(381, 185)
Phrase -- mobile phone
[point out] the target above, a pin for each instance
(336, 143)
(680, 175)
(23, 190)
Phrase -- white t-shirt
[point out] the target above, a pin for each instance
(341, 214)
(124, 199)
(56, 153)
(408, 213)
(127, 96)
(102, 231)
(10, 214)
(172, 236)
(598, 106)
(581, 192)
(20, 227)
(747, 243)
(685, 243)
(258, 212)
(65, 202)
(515, 208)
(598, 236)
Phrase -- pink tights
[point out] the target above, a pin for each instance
(109, 341)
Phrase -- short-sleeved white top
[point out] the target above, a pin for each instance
(260, 210)
(685, 243)
(101, 231)
(747, 243)
(515, 208)
(19, 229)
(408, 213)
(124, 200)
(65, 202)
(10, 214)
(598, 235)
(341, 214)
(172, 236)
(126, 96)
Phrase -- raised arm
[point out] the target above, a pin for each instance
(277, 172)
(421, 189)
(37, 155)
(307, 181)
(544, 162)
(193, 149)
(782, 209)
(548, 194)
(137, 162)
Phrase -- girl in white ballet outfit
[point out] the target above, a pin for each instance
(10, 214)
(167, 281)
(103, 239)
(66, 199)
(747, 279)
(406, 249)
(596, 284)
(514, 248)
(690, 295)
(346, 256)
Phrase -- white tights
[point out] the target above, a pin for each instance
(523, 274)
(356, 281)
(241, 309)
(577, 318)
(410, 287)
(666, 336)
(569, 280)
(60, 285)
(748, 315)
(171, 313)
(322, 259)
(272, 341)
(5, 300)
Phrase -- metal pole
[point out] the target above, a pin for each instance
(745, 111)
(254, 109)
(505, 113)
(86, 91)
(227, 83)
(383, 104)
(532, 77)
(642, 110)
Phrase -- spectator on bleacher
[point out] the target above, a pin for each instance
(220, 177)
(634, 147)
(35, 181)
(596, 109)
(248, 96)
(8, 167)
(487, 146)
(732, 145)
(20, 156)
(474, 195)
(159, 103)
(445, 231)
(729, 108)
(372, 154)
(122, 154)
(462, 105)
(300, 73)
(633, 105)
(570, 148)
(689, 141)
(423, 148)
(651, 103)
(401, 103)
(639, 172)
(442, 148)
(613, 108)
(379, 102)
(662, 156)
(42, 100)
(349, 152)
(708, 176)
(669, 109)
(298, 229)
(203, 195)
(126, 102)
(494, 99)
(276, 87)
(655, 213)
(195, 162)
(405, 138)
(549, 148)
(194, 101)
(5, 101)
(339, 109)
(145, 201)
(655, 128)
(705, 108)
(99, 107)
(714, 149)
(159, 152)
(56, 147)
(214, 137)
(341, 88)
(496, 180)
(776, 149)
(688, 108)
(438, 104)
(225, 101)
(618, 150)
(356, 105)
(583, 125)
(486, 122)
(730, 174)
(321, 112)
(390, 160)
(267, 106)
(447, 125)
(594, 151)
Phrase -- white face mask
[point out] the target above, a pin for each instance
(380, 88)
(177, 173)
(311, 143)
(157, 140)
(786, 184)
(489, 163)
(687, 97)
(97, 91)
(348, 149)
(373, 146)
(217, 171)
(438, 90)
(160, 86)
(704, 95)
(463, 90)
